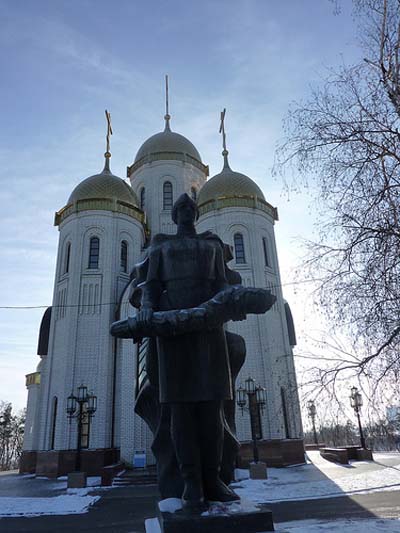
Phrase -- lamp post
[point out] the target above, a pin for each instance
(312, 412)
(75, 406)
(356, 402)
(252, 398)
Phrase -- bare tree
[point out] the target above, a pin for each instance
(11, 436)
(346, 139)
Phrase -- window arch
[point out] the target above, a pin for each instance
(67, 257)
(142, 198)
(238, 242)
(167, 195)
(193, 193)
(94, 251)
(124, 256)
(266, 254)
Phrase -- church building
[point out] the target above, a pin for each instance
(104, 229)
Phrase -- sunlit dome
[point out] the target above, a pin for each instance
(228, 183)
(104, 186)
(168, 142)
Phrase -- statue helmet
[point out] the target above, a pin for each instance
(184, 199)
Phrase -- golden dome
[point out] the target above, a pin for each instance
(167, 141)
(104, 186)
(228, 184)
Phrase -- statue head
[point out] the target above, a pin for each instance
(188, 209)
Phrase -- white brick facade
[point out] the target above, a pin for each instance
(81, 349)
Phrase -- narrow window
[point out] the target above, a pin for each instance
(94, 249)
(67, 257)
(53, 423)
(193, 193)
(239, 248)
(265, 248)
(285, 413)
(124, 256)
(167, 195)
(142, 198)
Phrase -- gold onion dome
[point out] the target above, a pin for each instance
(229, 184)
(167, 141)
(104, 186)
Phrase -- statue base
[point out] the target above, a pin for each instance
(220, 518)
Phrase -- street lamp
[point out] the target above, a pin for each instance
(356, 402)
(252, 398)
(74, 409)
(312, 413)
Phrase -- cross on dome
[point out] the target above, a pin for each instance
(167, 116)
(222, 130)
(107, 154)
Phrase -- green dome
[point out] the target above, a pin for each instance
(167, 141)
(104, 186)
(228, 184)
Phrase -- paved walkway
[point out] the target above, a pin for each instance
(123, 510)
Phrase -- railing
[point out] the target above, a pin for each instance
(167, 156)
(251, 202)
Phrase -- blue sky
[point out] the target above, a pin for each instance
(63, 63)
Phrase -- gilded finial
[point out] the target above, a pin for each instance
(167, 116)
(222, 130)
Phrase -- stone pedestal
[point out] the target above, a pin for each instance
(363, 454)
(77, 480)
(249, 522)
(258, 470)
(238, 517)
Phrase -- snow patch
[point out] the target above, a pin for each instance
(344, 526)
(152, 525)
(58, 505)
(170, 505)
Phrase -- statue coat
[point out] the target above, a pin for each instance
(183, 272)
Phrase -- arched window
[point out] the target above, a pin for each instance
(167, 195)
(94, 250)
(240, 257)
(67, 257)
(142, 198)
(53, 423)
(266, 255)
(193, 193)
(124, 256)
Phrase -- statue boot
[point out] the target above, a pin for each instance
(193, 495)
(215, 489)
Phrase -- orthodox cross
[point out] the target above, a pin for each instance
(166, 95)
(109, 132)
(222, 129)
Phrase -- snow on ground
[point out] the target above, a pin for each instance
(59, 505)
(320, 479)
(73, 501)
(315, 526)
(344, 526)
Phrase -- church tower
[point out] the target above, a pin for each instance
(101, 236)
(104, 229)
(166, 165)
(233, 206)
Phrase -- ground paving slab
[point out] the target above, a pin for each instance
(369, 491)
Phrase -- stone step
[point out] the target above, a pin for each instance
(146, 476)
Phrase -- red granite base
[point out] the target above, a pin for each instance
(274, 452)
(54, 463)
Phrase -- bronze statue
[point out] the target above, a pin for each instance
(186, 297)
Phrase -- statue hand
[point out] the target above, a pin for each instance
(143, 318)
